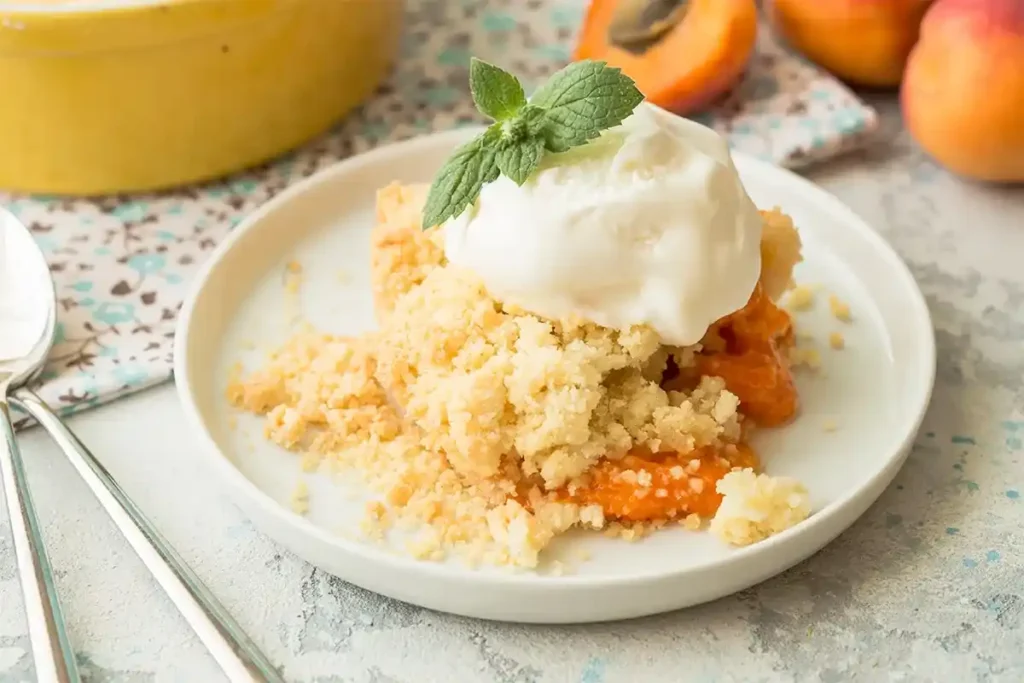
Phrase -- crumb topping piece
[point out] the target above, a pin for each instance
(756, 506)
(840, 309)
(800, 298)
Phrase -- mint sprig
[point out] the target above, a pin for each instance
(496, 93)
(570, 109)
(583, 99)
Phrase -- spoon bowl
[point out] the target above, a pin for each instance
(28, 305)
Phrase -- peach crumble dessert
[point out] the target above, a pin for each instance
(590, 347)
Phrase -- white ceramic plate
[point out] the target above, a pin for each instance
(876, 392)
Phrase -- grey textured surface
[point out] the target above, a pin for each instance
(927, 586)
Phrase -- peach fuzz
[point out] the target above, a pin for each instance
(963, 94)
(695, 63)
(865, 42)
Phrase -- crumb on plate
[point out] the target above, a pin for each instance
(756, 506)
(293, 277)
(800, 298)
(840, 309)
(300, 498)
(809, 358)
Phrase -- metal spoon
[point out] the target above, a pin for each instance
(25, 279)
(27, 321)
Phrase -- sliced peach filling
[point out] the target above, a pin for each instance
(641, 488)
(747, 350)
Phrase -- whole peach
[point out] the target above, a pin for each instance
(963, 94)
(861, 41)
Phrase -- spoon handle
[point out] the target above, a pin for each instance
(52, 652)
(236, 654)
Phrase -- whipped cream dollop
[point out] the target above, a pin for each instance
(647, 224)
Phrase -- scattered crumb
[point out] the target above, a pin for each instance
(800, 298)
(300, 498)
(344, 277)
(691, 522)
(247, 345)
(830, 425)
(232, 422)
(293, 277)
(837, 341)
(756, 506)
(840, 309)
(375, 510)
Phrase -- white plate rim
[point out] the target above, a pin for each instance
(237, 481)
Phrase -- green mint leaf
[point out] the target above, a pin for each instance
(572, 108)
(458, 183)
(496, 93)
(517, 160)
(582, 100)
(528, 123)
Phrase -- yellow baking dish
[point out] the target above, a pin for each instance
(103, 96)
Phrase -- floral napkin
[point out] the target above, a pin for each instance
(123, 264)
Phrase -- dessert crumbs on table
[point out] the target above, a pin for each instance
(837, 341)
(830, 425)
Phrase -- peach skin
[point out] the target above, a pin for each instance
(697, 56)
(861, 41)
(963, 94)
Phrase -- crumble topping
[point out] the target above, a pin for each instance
(756, 506)
(469, 419)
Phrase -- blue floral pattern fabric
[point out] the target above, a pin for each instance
(122, 264)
